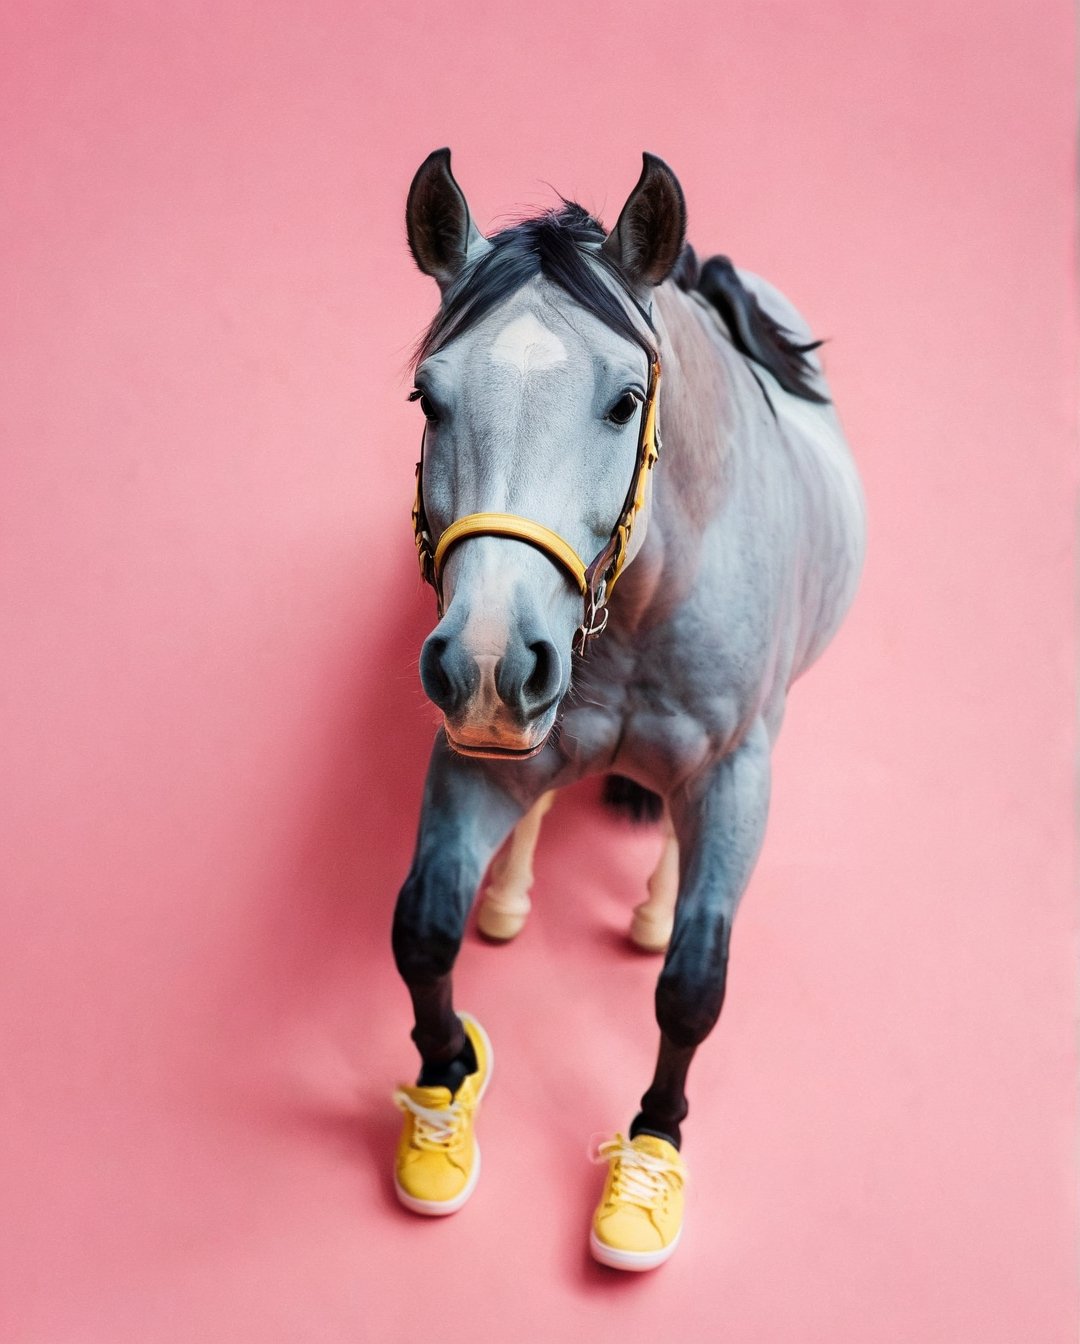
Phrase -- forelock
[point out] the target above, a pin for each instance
(562, 246)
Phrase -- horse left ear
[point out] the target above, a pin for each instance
(646, 242)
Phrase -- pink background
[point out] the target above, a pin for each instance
(213, 731)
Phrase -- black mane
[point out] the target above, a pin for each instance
(562, 245)
(753, 332)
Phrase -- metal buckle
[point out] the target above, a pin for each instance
(596, 619)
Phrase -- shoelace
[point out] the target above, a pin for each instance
(638, 1178)
(433, 1128)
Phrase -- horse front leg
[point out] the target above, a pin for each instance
(469, 808)
(719, 823)
(467, 812)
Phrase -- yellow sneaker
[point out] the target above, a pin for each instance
(639, 1218)
(437, 1163)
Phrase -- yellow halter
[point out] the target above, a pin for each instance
(596, 580)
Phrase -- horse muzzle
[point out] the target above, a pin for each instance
(499, 706)
(487, 750)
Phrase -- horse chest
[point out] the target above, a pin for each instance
(648, 731)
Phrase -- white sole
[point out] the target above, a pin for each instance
(634, 1261)
(439, 1208)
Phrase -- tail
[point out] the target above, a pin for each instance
(639, 804)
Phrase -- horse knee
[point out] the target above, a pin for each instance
(427, 929)
(690, 991)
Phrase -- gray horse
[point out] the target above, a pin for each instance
(560, 359)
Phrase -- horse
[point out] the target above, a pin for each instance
(642, 522)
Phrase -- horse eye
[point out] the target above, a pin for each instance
(431, 415)
(623, 410)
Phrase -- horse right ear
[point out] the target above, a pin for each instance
(442, 237)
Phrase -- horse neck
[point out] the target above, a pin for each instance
(698, 422)
(710, 406)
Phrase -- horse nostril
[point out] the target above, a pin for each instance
(542, 683)
(433, 675)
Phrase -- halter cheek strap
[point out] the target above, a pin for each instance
(595, 580)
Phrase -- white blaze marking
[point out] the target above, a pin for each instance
(527, 345)
(487, 626)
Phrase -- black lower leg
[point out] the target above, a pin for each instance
(689, 996)
(719, 822)
(446, 1052)
(466, 815)
(664, 1107)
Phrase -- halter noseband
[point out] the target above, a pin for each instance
(596, 580)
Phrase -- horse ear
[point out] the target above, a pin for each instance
(442, 236)
(646, 242)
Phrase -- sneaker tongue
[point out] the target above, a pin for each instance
(649, 1143)
(434, 1098)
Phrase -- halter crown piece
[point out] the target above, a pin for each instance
(594, 580)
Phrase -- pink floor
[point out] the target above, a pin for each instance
(213, 731)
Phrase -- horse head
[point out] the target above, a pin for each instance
(538, 381)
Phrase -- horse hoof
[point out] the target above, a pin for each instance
(499, 922)
(649, 931)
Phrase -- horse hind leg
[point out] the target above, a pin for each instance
(505, 905)
(650, 929)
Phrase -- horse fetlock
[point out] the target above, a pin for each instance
(654, 919)
(503, 912)
(662, 1113)
(650, 928)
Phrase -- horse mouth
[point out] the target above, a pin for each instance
(492, 752)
